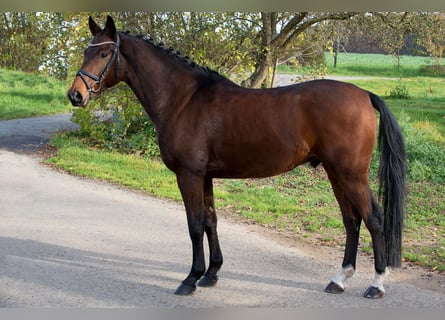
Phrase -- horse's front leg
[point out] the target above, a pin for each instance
(191, 188)
(210, 278)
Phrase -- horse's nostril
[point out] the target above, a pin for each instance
(75, 97)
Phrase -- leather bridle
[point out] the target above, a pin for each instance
(97, 84)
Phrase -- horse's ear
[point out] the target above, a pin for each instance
(94, 28)
(110, 28)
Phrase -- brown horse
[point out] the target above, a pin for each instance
(209, 127)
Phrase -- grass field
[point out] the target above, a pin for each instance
(378, 65)
(427, 102)
(28, 95)
(301, 202)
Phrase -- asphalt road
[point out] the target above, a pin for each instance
(70, 242)
(21, 135)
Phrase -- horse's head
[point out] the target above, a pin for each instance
(101, 64)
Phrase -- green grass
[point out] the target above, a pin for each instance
(28, 95)
(300, 202)
(127, 170)
(427, 100)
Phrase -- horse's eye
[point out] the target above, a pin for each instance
(104, 54)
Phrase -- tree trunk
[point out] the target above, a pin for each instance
(337, 50)
(274, 72)
(261, 73)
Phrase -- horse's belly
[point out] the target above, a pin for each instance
(257, 164)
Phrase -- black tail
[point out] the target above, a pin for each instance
(392, 170)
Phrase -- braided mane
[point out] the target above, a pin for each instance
(174, 53)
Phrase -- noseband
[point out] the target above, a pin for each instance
(97, 85)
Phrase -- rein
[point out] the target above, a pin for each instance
(97, 85)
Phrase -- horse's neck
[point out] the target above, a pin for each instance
(160, 83)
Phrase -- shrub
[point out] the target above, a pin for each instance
(117, 121)
(400, 91)
(432, 70)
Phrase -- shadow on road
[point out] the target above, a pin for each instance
(107, 279)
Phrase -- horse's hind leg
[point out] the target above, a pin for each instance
(357, 204)
(363, 202)
(351, 221)
(374, 223)
(210, 278)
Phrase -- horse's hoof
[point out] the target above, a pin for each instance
(373, 293)
(333, 287)
(208, 281)
(185, 289)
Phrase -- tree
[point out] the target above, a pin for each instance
(339, 35)
(245, 47)
(392, 30)
(33, 42)
(278, 32)
(431, 36)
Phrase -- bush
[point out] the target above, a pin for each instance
(400, 91)
(117, 121)
(432, 70)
